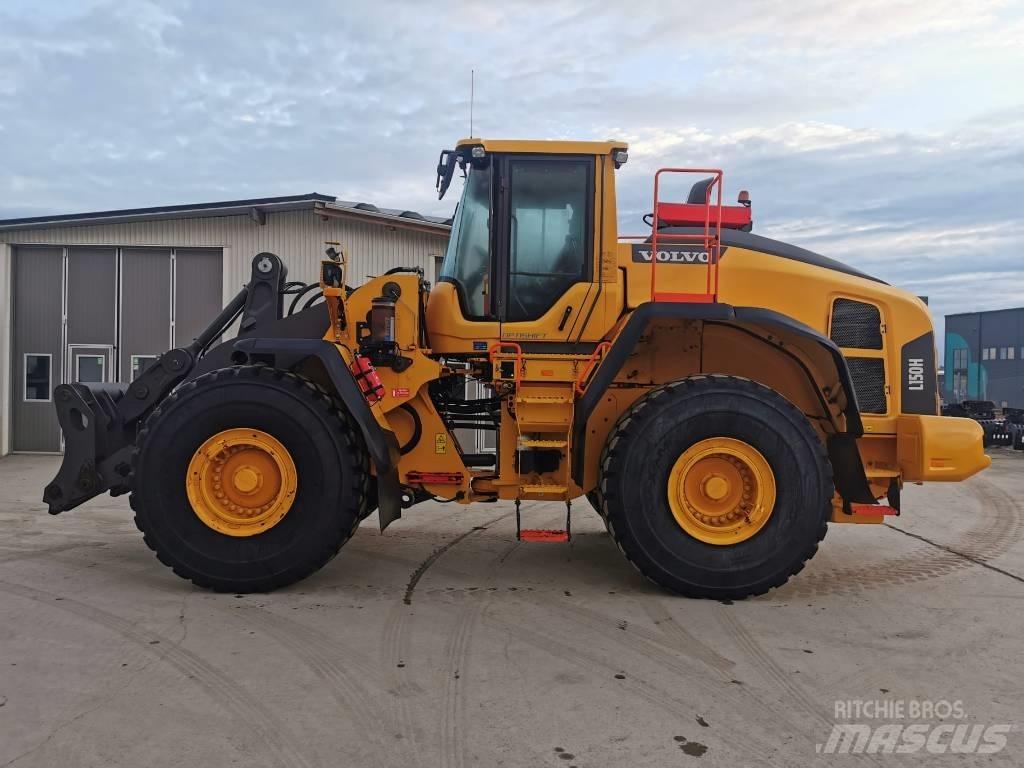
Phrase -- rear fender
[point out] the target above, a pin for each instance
(770, 328)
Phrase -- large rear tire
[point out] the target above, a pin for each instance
(716, 487)
(248, 479)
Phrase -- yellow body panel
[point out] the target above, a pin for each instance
(534, 146)
(933, 448)
(543, 364)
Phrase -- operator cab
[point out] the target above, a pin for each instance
(522, 242)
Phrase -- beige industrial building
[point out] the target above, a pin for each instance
(93, 297)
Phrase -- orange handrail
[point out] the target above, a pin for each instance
(590, 365)
(711, 239)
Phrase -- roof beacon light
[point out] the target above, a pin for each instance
(744, 198)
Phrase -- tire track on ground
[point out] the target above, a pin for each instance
(650, 647)
(434, 556)
(989, 537)
(773, 673)
(397, 638)
(452, 705)
(457, 650)
(680, 639)
(958, 553)
(767, 666)
(638, 685)
(395, 646)
(262, 725)
(33, 554)
(320, 655)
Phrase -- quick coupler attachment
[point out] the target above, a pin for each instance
(97, 444)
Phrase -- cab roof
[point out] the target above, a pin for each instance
(545, 147)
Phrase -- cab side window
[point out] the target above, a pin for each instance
(467, 261)
(549, 202)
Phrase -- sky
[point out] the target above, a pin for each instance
(885, 133)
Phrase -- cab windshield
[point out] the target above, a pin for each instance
(467, 260)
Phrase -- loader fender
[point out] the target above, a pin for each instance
(380, 443)
(851, 480)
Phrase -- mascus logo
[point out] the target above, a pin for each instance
(642, 255)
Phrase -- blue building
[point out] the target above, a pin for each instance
(984, 357)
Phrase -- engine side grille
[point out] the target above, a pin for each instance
(868, 376)
(856, 325)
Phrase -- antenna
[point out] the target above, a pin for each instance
(472, 78)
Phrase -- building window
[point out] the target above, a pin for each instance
(991, 353)
(1002, 353)
(91, 369)
(984, 354)
(1010, 352)
(960, 359)
(141, 363)
(37, 377)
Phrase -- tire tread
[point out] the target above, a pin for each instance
(634, 418)
(333, 413)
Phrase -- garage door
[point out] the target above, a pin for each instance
(99, 314)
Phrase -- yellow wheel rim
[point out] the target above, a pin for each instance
(241, 482)
(721, 491)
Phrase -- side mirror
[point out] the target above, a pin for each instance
(445, 171)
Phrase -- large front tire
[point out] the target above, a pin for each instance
(295, 467)
(716, 487)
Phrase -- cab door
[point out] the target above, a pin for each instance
(545, 247)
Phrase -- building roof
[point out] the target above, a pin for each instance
(326, 205)
(986, 311)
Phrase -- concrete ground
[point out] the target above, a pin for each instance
(502, 654)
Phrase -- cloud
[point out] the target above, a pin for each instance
(887, 133)
(935, 213)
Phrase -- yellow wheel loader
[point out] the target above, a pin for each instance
(719, 397)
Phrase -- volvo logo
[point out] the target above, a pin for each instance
(642, 255)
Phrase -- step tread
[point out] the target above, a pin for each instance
(531, 443)
(543, 488)
(543, 535)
